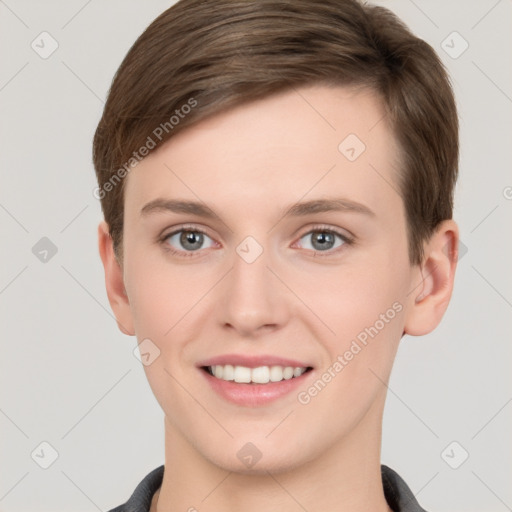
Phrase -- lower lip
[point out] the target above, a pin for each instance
(254, 395)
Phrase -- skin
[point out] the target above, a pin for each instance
(296, 300)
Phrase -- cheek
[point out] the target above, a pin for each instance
(349, 299)
(368, 322)
(365, 307)
(162, 306)
(151, 306)
(160, 295)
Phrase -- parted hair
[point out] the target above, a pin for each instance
(199, 58)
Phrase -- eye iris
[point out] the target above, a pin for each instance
(191, 237)
(192, 240)
(324, 239)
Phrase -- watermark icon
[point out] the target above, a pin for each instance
(249, 249)
(44, 45)
(351, 147)
(463, 250)
(454, 45)
(342, 360)
(249, 455)
(151, 142)
(44, 250)
(44, 455)
(455, 455)
(507, 193)
(146, 352)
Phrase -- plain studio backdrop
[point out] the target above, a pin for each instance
(79, 424)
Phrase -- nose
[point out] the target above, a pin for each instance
(253, 299)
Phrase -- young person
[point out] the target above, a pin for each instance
(277, 180)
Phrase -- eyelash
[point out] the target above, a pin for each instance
(320, 228)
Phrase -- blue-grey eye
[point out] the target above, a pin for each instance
(188, 240)
(322, 240)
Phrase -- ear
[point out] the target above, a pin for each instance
(434, 281)
(114, 281)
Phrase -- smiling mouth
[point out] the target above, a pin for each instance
(258, 375)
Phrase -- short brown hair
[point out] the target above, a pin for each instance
(215, 55)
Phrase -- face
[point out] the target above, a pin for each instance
(262, 243)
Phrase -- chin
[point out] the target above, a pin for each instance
(254, 459)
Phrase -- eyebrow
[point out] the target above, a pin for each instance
(295, 210)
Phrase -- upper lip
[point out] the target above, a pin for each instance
(252, 361)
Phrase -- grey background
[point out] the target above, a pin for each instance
(69, 378)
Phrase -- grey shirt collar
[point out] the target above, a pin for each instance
(398, 495)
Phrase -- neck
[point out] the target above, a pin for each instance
(346, 478)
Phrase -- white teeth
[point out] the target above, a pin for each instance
(288, 373)
(259, 375)
(276, 373)
(218, 371)
(228, 372)
(242, 374)
(297, 372)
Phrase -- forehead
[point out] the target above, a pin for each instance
(302, 141)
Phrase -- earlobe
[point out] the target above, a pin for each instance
(114, 281)
(435, 278)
